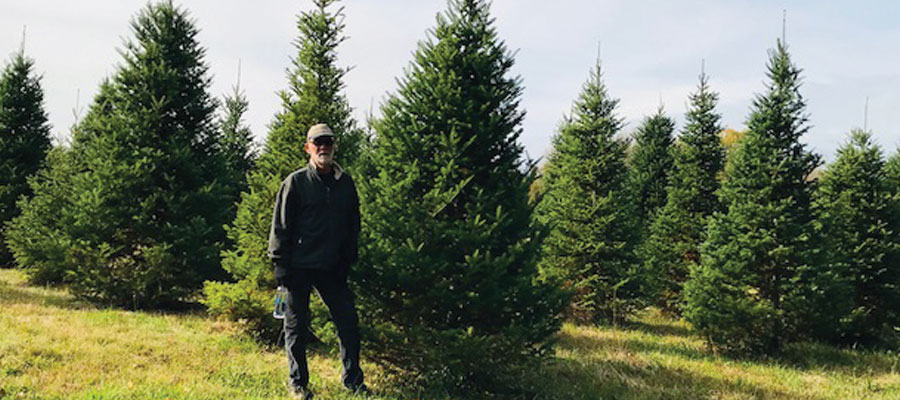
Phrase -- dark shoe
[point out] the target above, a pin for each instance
(301, 393)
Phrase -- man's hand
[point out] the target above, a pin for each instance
(281, 275)
(342, 269)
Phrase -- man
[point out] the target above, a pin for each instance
(313, 242)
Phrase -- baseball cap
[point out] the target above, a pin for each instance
(318, 130)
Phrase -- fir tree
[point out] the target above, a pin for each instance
(24, 138)
(855, 208)
(236, 142)
(314, 96)
(892, 179)
(589, 249)
(892, 172)
(677, 232)
(761, 280)
(147, 205)
(37, 237)
(448, 266)
(650, 166)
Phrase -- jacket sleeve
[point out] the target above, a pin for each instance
(352, 250)
(287, 202)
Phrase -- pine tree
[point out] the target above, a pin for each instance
(761, 280)
(589, 249)
(892, 181)
(446, 280)
(314, 96)
(37, 237)
(236, 142)
(147, 204)
(650, 165)
(24, 138)
(854, 206)
(892, 172)
(676, 234)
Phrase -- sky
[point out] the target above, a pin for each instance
(651, 53)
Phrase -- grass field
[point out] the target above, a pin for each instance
(52, 347)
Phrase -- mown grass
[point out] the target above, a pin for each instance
(52, 347)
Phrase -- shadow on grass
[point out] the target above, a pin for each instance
(20, 293)
(633, 363)
(580, 342)
(621, 365)
(817, 356)
(807, 356)
(15, 289)
(621, 380)
(804, 356)
(659, 328)
(191, 307)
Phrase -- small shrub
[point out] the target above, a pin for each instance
(246, 303)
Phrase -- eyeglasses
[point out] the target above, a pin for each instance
(323, 141)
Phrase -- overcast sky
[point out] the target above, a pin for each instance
(651, 53)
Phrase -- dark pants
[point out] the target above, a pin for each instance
(333, 290)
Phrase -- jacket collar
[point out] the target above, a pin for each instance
(338, 171)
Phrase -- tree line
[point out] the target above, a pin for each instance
(471, 256)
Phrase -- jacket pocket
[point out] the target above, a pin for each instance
(307, 243)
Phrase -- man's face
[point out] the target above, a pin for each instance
(321, 151)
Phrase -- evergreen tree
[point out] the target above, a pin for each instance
(589, 249)
(892, 179)
(24, 138)
(236, 142)
(650, 166)
(761, 280)
(314, 96)
(147, 204)
(854, 206)
(37, 237)
(677, 232)
(448, 266)
(892, 172)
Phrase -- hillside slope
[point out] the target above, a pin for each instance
(52, 347)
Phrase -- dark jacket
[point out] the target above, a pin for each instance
(315, 224)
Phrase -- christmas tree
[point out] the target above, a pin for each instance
(892, 172)
(143, 223)
(314, 96)
(589, 249)
(447, 272)
(24, 138)
(37, 237)
(236, 142)
(856, 210)
(673, 245)
(761, 280)
(650, 166)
